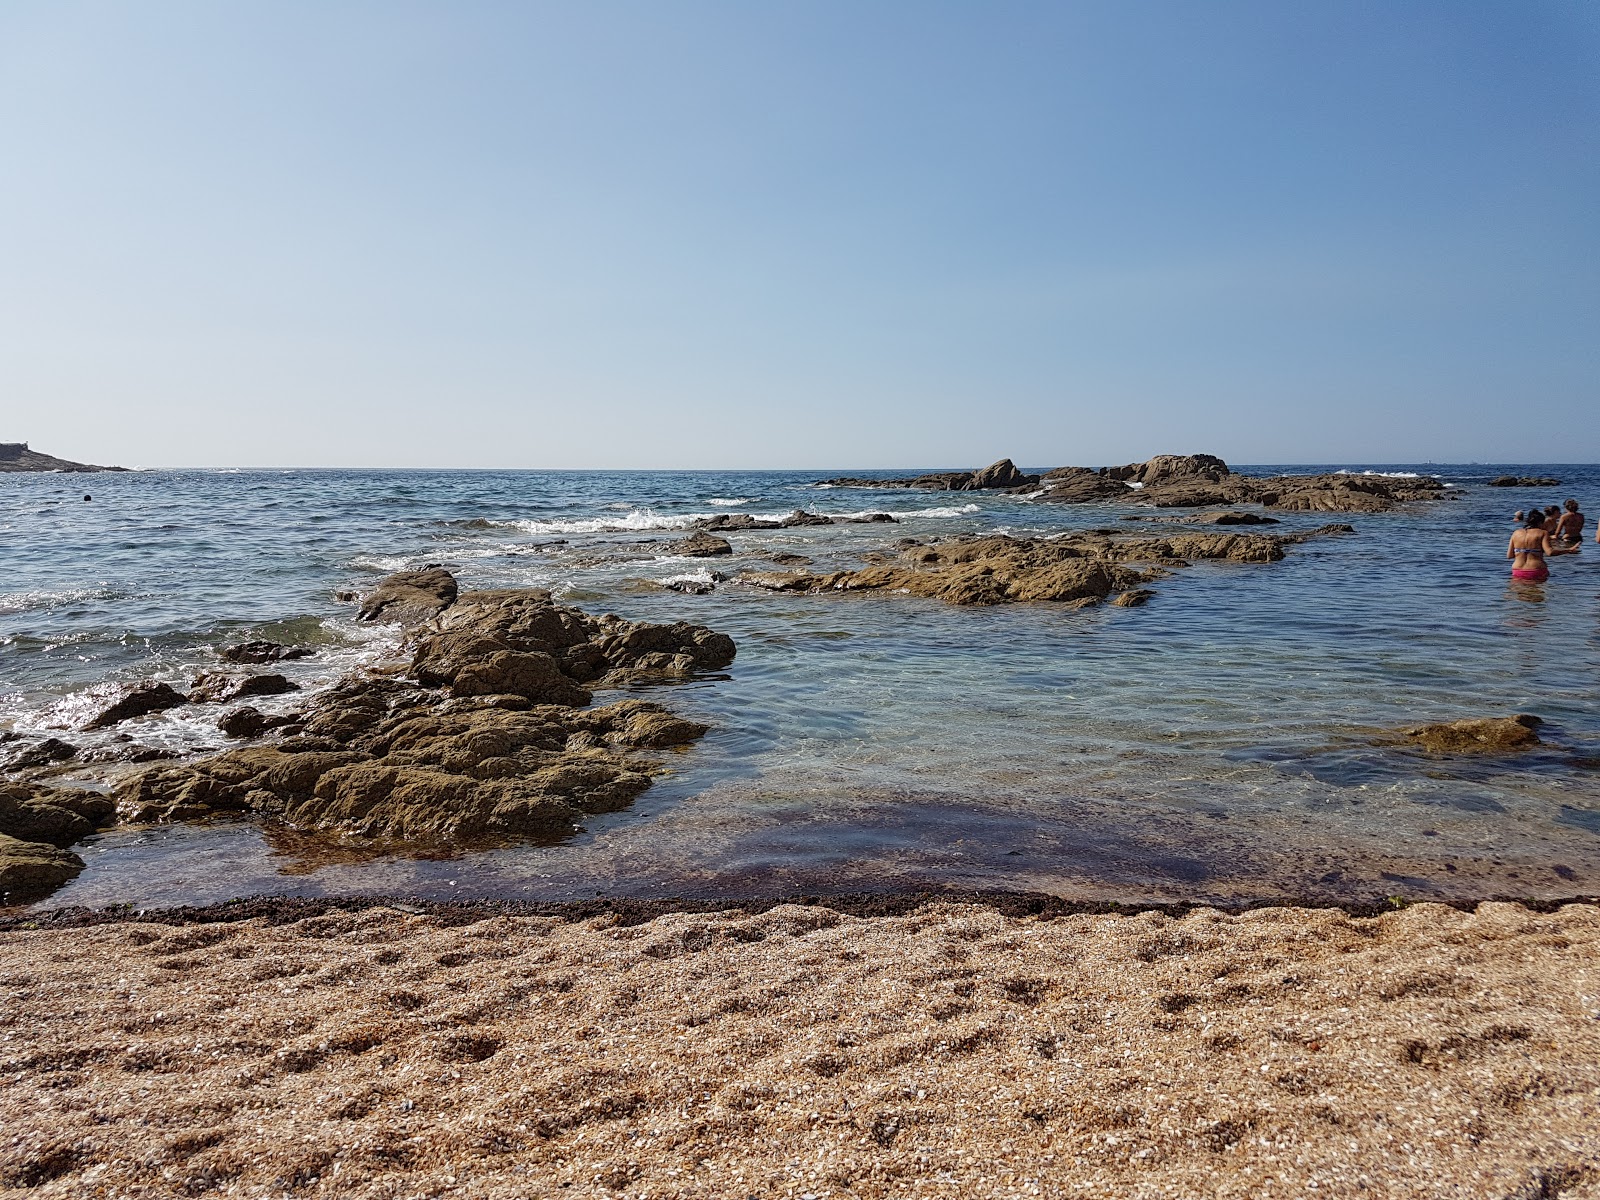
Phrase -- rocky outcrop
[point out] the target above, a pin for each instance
(1080, 485)
(409, 597)
(1079, 569)
(1002, 474)
(488, 736)
(31, 870)
(1479, 735)
(208, 689)
(15, 457)
(37, 824)
(798, 518)
(701, 545)
(1298, 493)
(1524, 481)
(1203, 480)
(1164, 468)
(138, 702)
(416, 768)
(41, 754)
(32, 813)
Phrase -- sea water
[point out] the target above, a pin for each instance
(1231, 739)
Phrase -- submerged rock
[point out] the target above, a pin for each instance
(138, 702)
(1480, 735)
(263, 652)
(409, 597)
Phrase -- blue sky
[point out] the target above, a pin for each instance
(820, 234)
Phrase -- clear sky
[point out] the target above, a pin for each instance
(814, 233)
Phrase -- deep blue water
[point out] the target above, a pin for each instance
(1221, 741)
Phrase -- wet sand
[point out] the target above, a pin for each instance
(955, 1050)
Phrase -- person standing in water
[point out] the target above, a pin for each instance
(1528, 548)
(1568, 533)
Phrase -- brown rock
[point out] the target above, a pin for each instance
(1002, 474)
(222, 688)
(701, 545)
(248, 722)
(58, 816)
(42, 754)
(1079, 485)
(488, 740)
(264, 652)
(1480, 735)
(30, 870)
(138, 702)
(409, 597)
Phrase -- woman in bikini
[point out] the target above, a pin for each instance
(1527, 549)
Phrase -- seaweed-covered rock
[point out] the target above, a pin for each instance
(489, 736)
(138, 702)
(30, 870)
(1480, 735)
(59, 816)
(459, 770)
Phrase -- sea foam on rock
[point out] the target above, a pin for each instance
(489, 735)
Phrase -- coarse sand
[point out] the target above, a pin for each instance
(954, 1051)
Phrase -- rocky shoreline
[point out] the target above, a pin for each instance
(16, 457)
(485, 733)
(1178, 481)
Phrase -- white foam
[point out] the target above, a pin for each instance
(1383, 474)
(700, 576)
(383, 562)
(636, 520)
(935, 512)
(18, 602)
(722, 503)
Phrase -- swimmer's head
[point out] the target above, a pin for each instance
(1521, 515)
(1535, 519)
(1572, 506)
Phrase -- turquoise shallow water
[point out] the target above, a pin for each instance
(1218, 742)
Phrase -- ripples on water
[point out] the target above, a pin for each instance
(1218, 742)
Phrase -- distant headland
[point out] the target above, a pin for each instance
(15, 456)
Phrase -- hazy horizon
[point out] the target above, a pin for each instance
(706, 235)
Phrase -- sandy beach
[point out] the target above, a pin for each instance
(799, 1052)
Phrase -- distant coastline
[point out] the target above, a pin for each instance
(16, 457)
